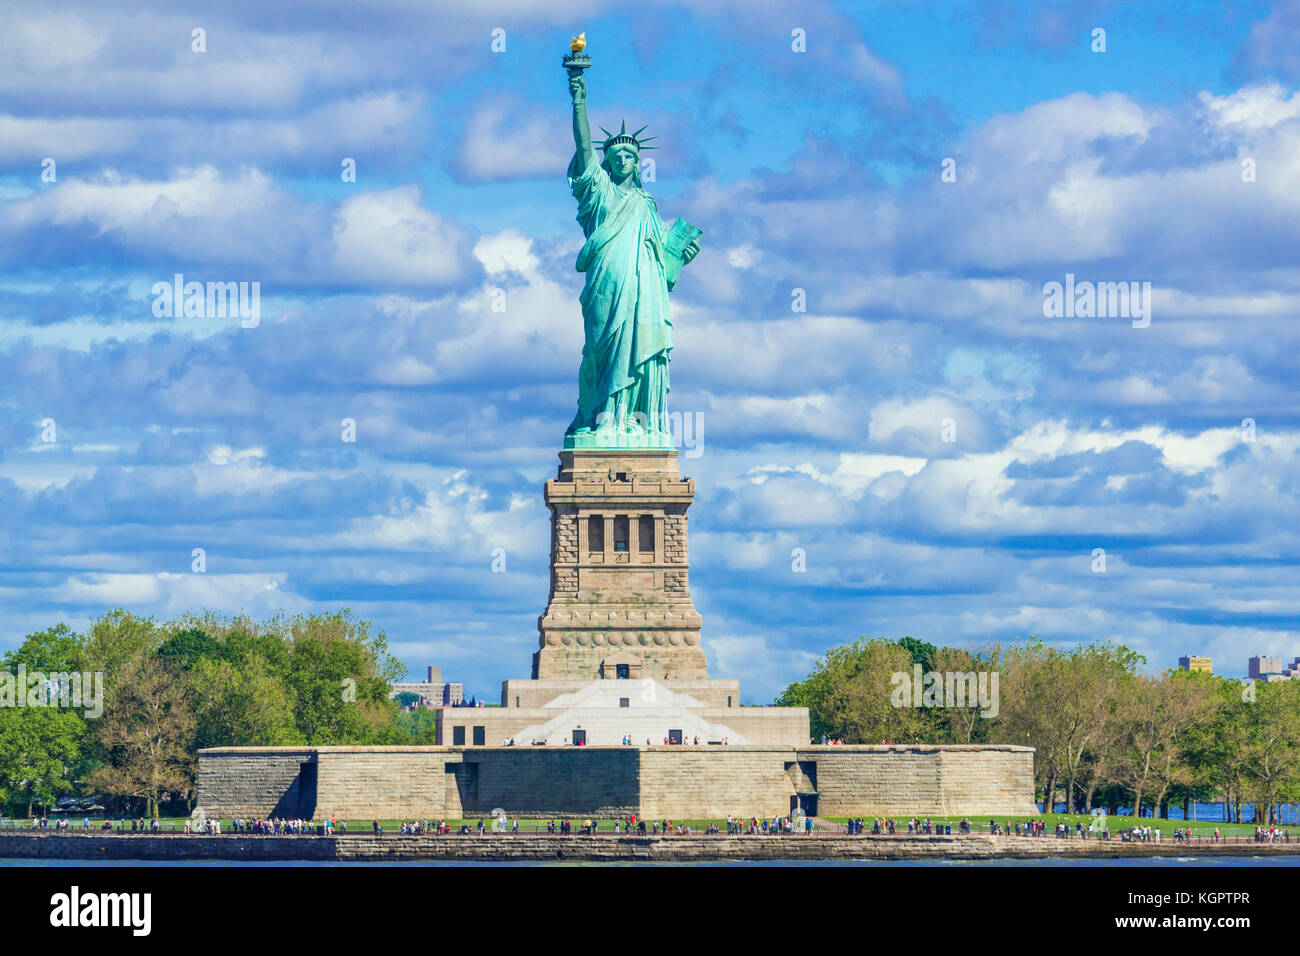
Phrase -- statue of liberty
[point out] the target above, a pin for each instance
(631, 259)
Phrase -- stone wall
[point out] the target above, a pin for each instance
(876, 781)
(918, 780)
(387, 783)
(692, 783)
(675, 551)
(553, 781)
(675, 782)
(251, 781)
(767, 726)
(988, 779)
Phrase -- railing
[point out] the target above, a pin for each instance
(530, 827)
(96, 826)
(1197, 837)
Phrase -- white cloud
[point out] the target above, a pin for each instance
(505, 139)
(389, 236)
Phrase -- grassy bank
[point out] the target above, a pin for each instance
(1199, 827)
(530, 825)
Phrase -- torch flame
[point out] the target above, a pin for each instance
(578, 43)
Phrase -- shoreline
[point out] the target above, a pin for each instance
(505, 848)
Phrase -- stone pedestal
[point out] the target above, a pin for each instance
(620, 603)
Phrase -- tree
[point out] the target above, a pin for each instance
(337, 698)
(39, 747)
(190, 647)
(146, 732)
(1028, 698)
(118, 637)
(1229, 747)
(55, 649)
(419, 725)
(848, 695)
(921, 652)
(42, 748)
(201, 680)
(1161, 714)
(1106, 746)
(241, 705)
(1271, 756)
(964, 725)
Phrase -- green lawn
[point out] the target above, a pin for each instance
(1167, 827)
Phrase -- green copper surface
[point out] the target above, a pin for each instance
(631, 259)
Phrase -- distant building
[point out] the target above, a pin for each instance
(432, 691)
(1196, 664)
(1265, 668)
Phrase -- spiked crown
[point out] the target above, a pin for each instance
(624, 138)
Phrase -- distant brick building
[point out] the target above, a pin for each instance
(1196, 664)
(1271, 669)
(432, 691)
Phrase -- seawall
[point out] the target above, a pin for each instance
(550, 848)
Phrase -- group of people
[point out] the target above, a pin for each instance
(1272, 835)
(274, 826)
(739, 826)
(1028, 828)
(927, 827)
(735, 826)
(281, 826)
(62, 823)
(139, 825)
(435, 827)
(1142, 834)
(668, 741)
(565, 827)
(626, 741)
(1038, 828)
(43, 823)
(624, 827)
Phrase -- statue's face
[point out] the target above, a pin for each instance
(622, 161)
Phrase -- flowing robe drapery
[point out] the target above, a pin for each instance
(628, 329)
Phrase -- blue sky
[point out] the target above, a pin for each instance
(822, 429)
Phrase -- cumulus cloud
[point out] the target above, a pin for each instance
(506, 140)
(433, 304)
(390, 237)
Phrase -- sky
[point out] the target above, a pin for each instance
(895, 437)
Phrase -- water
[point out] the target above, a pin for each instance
(1210, 813)
(1159, 862)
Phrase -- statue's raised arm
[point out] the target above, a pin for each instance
(581, 125)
